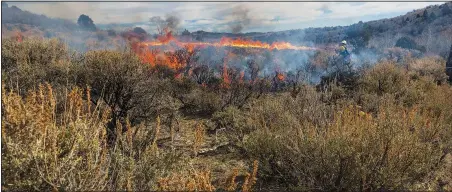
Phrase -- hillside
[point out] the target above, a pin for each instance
(13, 15)
(420, 25)
(18, 23)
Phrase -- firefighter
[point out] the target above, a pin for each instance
(343, 49)
(344, 55)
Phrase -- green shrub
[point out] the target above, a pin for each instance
(407, 43)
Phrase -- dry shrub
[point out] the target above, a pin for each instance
(208, 99)
(321, 60)
(136, 160)
(441, 106)
(234, 121)
(201, 180)
(282, 110)
(199, 135)
(46, 148)
(264, 113)
(238, 93)
(272, 112)
(356, 151)
(384, 77)
(202, 102)
(127, 86)
(191, 181)
(430, 66)
(30, 62)
(232, 184)
(388, 80)
(398, 55)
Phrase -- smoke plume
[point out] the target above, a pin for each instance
(170, 23)
(240, 18)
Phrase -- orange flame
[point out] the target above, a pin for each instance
(145, 54)
(19, 36)
(280, 76)
(228, 42)
(174, 62)
(226, 80)
(165, 39)
(242, 74)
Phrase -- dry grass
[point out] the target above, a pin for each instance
(198, 137)
(232, 184)
(157, 132)
(250, 179)
(192, 181)
(45, 148)
(201, 180)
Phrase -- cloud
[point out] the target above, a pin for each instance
(227, 16)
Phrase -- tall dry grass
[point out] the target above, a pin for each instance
(44, 149)
(201, 180)
(47, 148)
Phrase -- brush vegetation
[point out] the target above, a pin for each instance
(102, 120)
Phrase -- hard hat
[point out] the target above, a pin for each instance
(344, 42)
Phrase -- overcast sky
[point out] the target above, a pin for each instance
(223, 16)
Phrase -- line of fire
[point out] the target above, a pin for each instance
(169, 51)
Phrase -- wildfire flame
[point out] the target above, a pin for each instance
(19, 36)
(153, 56)
(226, 79)
(227, 42)
(280, 76)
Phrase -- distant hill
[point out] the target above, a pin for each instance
(77, 35)
(14, 15)
(429, 28)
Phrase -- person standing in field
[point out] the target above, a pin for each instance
(344, 55)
